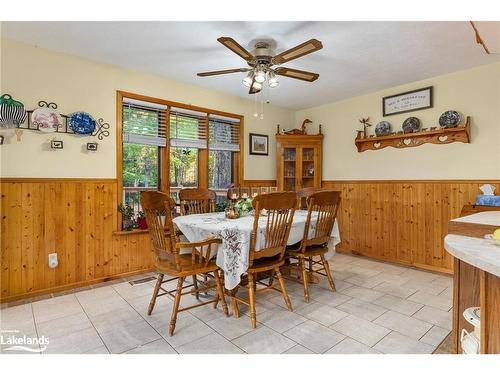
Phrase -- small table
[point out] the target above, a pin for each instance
(232, 254)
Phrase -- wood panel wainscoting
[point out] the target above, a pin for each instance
(76, 219)
(402, 221)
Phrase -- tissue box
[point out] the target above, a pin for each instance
(488, 200)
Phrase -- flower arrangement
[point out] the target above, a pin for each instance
(128, 216)
(244, 206)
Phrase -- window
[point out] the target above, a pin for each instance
(168, 146)
(224, 147)
(188, 139)
(143, 136)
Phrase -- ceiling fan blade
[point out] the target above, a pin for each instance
(297, 74)
(227, 71)
(253, 89)
(303, 49)
(236, 48)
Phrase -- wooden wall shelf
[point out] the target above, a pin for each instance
(440, 136)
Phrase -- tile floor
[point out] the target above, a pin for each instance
(378, 308)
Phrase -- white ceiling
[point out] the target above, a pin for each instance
(357, 57)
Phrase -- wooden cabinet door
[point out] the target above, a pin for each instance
(288, 168)
(309, 166)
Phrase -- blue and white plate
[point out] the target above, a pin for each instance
(383, 128)
(82, 123)
(411, 125)
(450, 119)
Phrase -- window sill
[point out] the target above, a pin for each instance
(129, 232)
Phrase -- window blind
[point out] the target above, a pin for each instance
(224, 133)
(188, 128)
(144, 122)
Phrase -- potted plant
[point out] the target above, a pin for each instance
(127, 212)
(141, 221)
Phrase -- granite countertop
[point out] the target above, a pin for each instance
(479, 252)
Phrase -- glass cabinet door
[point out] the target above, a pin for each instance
(289, 169)
(308, 168)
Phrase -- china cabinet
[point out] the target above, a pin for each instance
(298, 161)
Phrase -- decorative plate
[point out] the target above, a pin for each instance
(411, 125)
(47, 119)
(382, 128)
(450, 119)
(82, 123)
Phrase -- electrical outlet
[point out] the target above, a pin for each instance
(53, 260)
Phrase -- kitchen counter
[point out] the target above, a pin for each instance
(478, 252)
(476, 278)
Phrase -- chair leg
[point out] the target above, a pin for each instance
(271, 278)
(305, 278)
(175, 310)
(220, 292)
(155, 293)
(195, 284)
(251, 290)
(236, 310)
(283, 288)
(328, 272)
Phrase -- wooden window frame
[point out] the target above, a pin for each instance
(165, 154)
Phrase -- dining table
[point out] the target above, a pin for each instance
(233, 254)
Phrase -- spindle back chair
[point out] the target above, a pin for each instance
(268, 244)
(197, 201)
(321, 215)
(179, 260)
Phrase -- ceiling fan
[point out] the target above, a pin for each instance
(262, 61)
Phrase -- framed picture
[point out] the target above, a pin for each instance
(57, 145)
(259, 144)
(92, 146)
(1, 139)
(407, 101)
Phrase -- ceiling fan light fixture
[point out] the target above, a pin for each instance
(247, 81)
(260, 74)
(273, 80)
(257, 85)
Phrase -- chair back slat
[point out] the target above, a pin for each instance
(197, 201)
(158, 209)
(280, 208)
(322, 211)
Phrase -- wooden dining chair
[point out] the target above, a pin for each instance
(173, 258)
(272, 239)
(322, 211)
(302, 196)
(197, 201)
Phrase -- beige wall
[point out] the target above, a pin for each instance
(31, 74)
(474, 93)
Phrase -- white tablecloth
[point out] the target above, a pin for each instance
(232, 254)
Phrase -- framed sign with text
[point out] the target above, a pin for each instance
(407, 101)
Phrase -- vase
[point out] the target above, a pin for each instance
(128, 224)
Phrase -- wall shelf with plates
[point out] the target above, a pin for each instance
(460, 133)
(46, 119)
